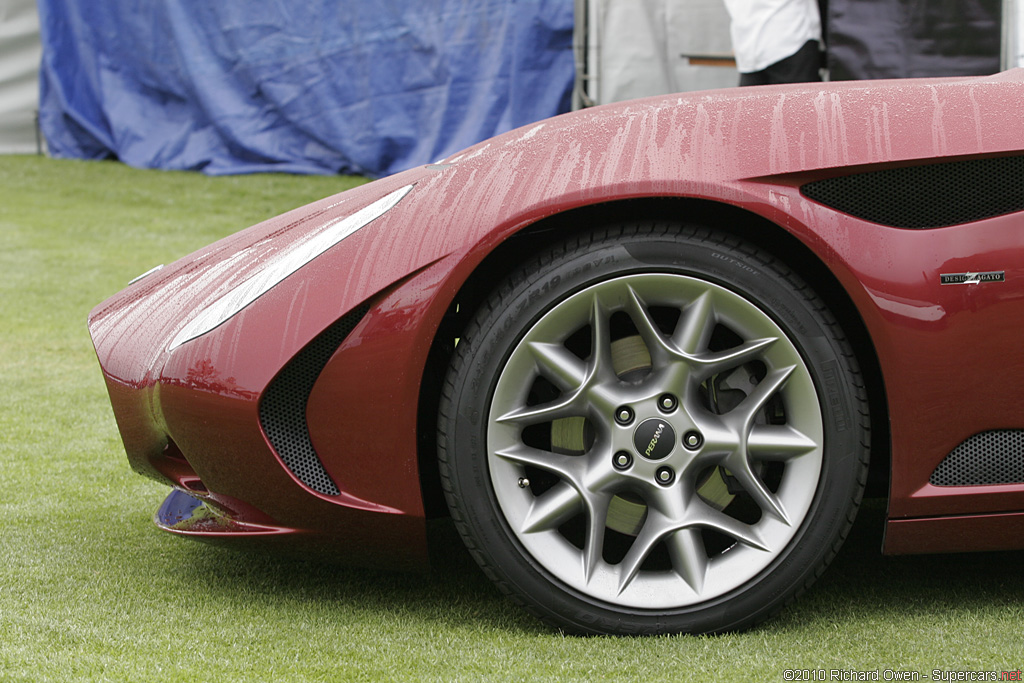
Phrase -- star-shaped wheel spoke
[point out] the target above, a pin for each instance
(680, 528)
(587, 387)
(740, 422)
(568, 467)
(553, 508)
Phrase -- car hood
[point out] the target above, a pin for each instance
(134, 330)
(768, 130)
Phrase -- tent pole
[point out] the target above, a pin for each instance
(583, 43)
(1010, 55)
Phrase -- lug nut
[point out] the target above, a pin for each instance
(665, 475)
(624, 415)
(622, 460)
(667, 403)
(692, 440)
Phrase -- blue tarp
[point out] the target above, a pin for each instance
(298, 86)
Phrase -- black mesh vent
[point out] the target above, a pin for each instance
(928, 196)
(283, 406)
(995, 457)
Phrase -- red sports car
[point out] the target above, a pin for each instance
(646, 355)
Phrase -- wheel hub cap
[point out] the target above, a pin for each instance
(654, 439)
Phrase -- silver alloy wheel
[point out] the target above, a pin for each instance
(720, 377)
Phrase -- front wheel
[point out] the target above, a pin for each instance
(653, 429)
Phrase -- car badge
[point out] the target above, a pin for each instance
(970, 278)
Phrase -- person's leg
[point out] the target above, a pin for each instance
(755, 78)
(802, 67)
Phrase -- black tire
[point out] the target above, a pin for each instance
(554, 428)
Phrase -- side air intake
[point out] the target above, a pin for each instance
(283, 406)
(995, 457)
(929, 196)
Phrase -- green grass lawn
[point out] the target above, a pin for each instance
(91, 590)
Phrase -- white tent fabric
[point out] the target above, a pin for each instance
(636, 48)
(20, 52)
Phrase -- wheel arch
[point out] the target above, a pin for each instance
(726, 218)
